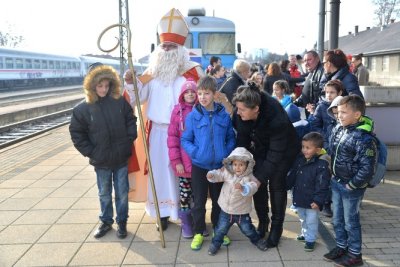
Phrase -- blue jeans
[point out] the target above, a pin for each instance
(105, 180)
(225, 221)
(346, 216)
(309, 223)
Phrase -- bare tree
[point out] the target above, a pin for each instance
(386, 10)
(8, 39)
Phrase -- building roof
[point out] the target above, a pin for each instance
(375, 41)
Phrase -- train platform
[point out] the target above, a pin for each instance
(49, 210)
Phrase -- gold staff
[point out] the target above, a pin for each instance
(146, 149)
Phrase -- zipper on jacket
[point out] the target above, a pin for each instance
(336, 151)
(212, 135)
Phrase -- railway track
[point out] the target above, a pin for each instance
(20, 131)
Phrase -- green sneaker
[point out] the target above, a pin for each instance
(227, 241)
(197, 242)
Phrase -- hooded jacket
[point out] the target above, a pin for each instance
(353, 153)
(177, 154)
(310, 180)
(231, 200)
(321, 122)
(103, 128)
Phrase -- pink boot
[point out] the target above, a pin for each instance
(186, 223)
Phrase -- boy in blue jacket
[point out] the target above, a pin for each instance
(353, 153)
(208, 139)
(309, 178)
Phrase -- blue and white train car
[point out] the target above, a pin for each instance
(211, 36)
(20, 68)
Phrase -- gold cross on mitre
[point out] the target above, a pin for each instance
(173, 28)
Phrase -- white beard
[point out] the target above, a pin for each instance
(168, 65)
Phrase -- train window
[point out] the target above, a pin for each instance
(51, 64)
(69, 65)
(58, 66)
(28, 63)
(36, 64)
(9, 63)
(1, 63)
(63, 65)
(217, 43)
(19, 63)
(44, 64)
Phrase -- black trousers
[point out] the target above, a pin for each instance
(200, 189)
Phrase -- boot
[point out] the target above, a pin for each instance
(326, 210)
(186, 223)
(262, 227)
(164, 223)
(278, 208)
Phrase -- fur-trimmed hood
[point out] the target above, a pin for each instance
(242, 154)
(95, 76)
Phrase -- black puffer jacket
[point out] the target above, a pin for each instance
(103, 129)
(271, 139)
(353, 153)
(310, 180)
(348, 79)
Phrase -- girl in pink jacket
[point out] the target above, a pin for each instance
(180, 161)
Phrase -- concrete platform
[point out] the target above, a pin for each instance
(49, 210)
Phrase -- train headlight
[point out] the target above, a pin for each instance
(195, 21)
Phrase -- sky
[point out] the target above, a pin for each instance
(72, 27)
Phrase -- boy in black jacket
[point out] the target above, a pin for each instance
(309, 178)
(103, 128)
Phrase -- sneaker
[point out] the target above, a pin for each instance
(102, 230)
(262, 245)
(301, 238)
(197, 242)
(121, 230)
(309, 246)
(293, 208)
(227, 241)
(334, 254)
(212, 250)
(206, 233)
(349, 259)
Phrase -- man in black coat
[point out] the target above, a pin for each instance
(263, 127)
(311, 89)
(239, 76)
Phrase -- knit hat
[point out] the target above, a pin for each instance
(189, 84)
(173, 28)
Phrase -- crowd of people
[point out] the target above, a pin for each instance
(243, 139)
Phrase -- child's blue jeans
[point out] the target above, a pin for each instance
(309, 223)
(225, 221)
(346, 216)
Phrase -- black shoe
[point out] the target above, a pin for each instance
(262, 245)
(164, 223)
(212, 250)
(327, 211)
(121, 230)
(334, 254)
(102, 230)
(274, 236)
(349, 260)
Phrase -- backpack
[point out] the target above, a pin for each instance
(380, 164)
